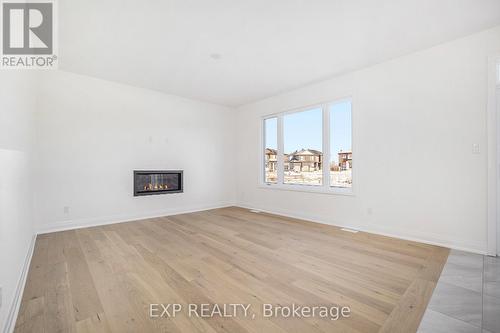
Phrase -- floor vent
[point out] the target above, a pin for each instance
(350, 230)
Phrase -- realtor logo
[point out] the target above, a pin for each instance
(28, 35)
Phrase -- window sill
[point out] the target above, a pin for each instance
(309, 189)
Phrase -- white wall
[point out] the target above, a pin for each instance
(415, 121)
(92, 134)
(17, 103)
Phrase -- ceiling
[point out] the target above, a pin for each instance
(233, 52)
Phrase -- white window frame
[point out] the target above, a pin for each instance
(323, 188)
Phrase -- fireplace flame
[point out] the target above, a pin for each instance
(155, 187)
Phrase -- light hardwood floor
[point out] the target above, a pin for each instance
(103, 279)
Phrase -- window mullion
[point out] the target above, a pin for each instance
(326, 147)
(281, 149)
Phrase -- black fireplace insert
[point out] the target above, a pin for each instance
(151, 182)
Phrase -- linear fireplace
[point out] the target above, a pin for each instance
(151, 182)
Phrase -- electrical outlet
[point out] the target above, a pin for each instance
(66, 210)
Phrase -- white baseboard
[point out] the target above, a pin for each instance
(426, 238)
(18, 295)
(93, 222)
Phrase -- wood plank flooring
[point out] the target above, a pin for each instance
(103, 279)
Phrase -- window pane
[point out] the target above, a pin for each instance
(340, 144)
(302, 134)
(271, 150)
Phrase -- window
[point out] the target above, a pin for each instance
(271, 150)
(340, 144)
(310, 149)
(302, 140)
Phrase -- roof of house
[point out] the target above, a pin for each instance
(307, 152)
(271, 151)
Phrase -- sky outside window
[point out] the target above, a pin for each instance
(271, 127)
(303, 130)
(340, 129)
